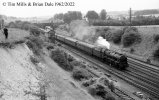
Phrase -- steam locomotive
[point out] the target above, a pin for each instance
(111, 58)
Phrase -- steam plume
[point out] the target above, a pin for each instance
(102, 42)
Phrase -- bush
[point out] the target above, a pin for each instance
(50, 47)
(80, 75)
(148, 60)
(114, 35)
(98, 90)
(33, 47)
(75, 63)
(6, 45)
(131, 37)
(59, 44)
(70, 58)
(34, 60)
(111, 86)
(37, 41)
(156, 53)
(109, 35)
(61, 58)
(117, 35)
(19, 42)
(101, 32)
(78, 63)
(132, 50)
(89, 82)
(35, 44)
(156, 38)
(130, 29)
(125, 28)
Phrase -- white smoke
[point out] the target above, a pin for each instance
(81, 30)
(101, 42)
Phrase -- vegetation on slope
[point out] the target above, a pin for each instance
(79, 72)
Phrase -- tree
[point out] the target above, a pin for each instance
(66, 18)
(59, 16)
(72, 15)
(92, 15)
(103, 14)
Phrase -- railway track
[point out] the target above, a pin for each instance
(148, 85)
(148, 78)
(144, 67)
(117, 91)
(145, 73)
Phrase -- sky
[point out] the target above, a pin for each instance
(10, 7)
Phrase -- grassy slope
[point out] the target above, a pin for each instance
(145, 49)
(14, 34)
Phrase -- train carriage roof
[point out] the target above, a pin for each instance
(86, 44)
(70, 38)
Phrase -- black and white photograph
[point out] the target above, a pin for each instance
(79, 49)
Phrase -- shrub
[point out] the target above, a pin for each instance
(117, 35)
(5, 45)
(89, 82)
(101, 32)
(125, 28)
(156, 53)
(109, 35)
(35, 44)
(132, 50)
(59, 44)
(80, 75)
(50, 47)
(34, 60)
(148, 60)
(37, 41)
(19, 42)
(70, 58)
(130, 29)
(30, 44)
(75, 63)
(92, 91)
(98, 90)
(111, 86)
(61, 58)
(130, 38)
(156, 38)
(33, 47)
(106, 81)
(114, 35)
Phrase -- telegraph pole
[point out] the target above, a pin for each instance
(130, 16)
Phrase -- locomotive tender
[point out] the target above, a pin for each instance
(111, 58)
